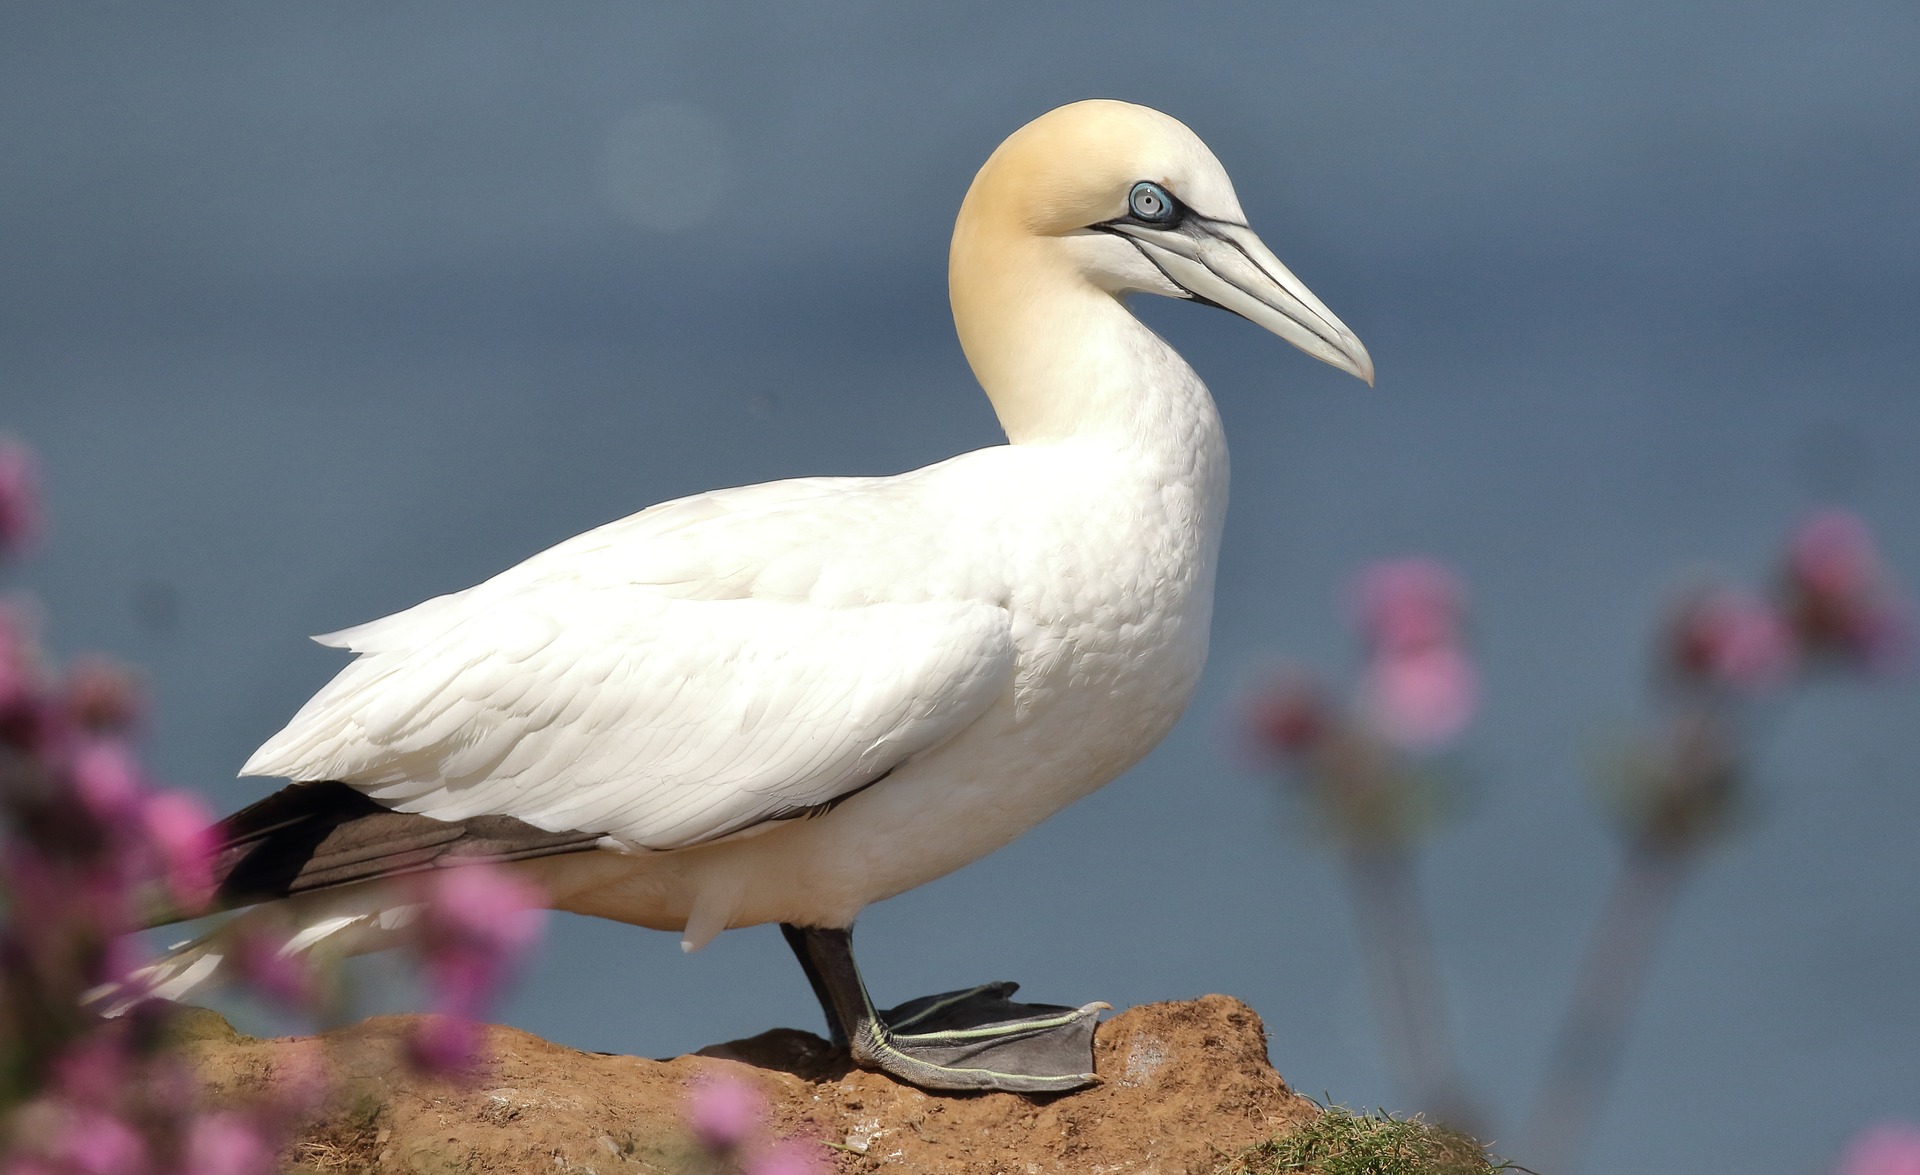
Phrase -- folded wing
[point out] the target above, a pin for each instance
(590, 690)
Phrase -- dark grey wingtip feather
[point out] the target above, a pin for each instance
(313, 836)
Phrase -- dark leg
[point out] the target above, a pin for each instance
(973, 1039)
(797, 939)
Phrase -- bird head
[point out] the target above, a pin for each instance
(1129, 200)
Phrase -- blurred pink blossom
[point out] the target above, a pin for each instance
(301, 1078)
(1284, 717)
(30, 880)
(82, 834)
(486, 908)
(478, 920)
(95, 1142)
(1403, 605)
(1419, 688)
(788, 1157)
(1891, 1148)
(265, 965)
(1422, 700)
(179, 828)
(443, 1046)
(20, 518)
(123, 955)
(107, 780)
(723, 1112)
(168, 1086)
(1843, 599)
(28, 723)
(1832, 553)
(92, 1072)
(227, 1144)
(1731, 638)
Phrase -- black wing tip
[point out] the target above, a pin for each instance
(325, 834)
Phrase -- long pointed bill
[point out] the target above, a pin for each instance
(1226, 264)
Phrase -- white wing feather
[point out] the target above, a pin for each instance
(667, 679)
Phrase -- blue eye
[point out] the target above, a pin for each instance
(1151, 203)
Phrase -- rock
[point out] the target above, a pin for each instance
(1186, 1086)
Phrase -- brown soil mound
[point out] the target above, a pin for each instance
(1187, 1085)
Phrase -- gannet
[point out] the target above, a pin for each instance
(784, 702)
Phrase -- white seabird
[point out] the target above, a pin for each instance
(783, 702)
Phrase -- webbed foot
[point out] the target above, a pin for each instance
(974, 1039)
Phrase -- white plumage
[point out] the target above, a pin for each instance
(673, 679)
(677, 676)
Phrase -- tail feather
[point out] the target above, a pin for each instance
(338, 922)
(308, 859)
(308, 837)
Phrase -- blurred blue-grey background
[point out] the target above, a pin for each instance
(316, 310)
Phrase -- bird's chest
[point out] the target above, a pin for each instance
(1111, 618)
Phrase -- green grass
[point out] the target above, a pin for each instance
(1341, 1142)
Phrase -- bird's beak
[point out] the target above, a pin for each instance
(1225, 264)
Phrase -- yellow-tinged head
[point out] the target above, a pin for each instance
(1075, 166)
(1115, 198)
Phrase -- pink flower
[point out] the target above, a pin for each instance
(301, 1078)
(20, 519)
(788, 1158)
(1833, 554)
(1420, 701)
(29, 723)
(227, 1144)
(1401, 605)
(478, 920)
(1891, 1148)
(1285, 717)
(1843, 601)
(1730, 638)
(443, 1046)
(486, 908)
(465, 981)
(92, 1071)
(723, 1112)
(95, 1142)
(180, 830)
(264, 964)
(108, 781)
(29, 720)
(1419, 688)
(122, 955)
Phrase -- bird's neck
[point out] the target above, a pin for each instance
(1064, 360)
